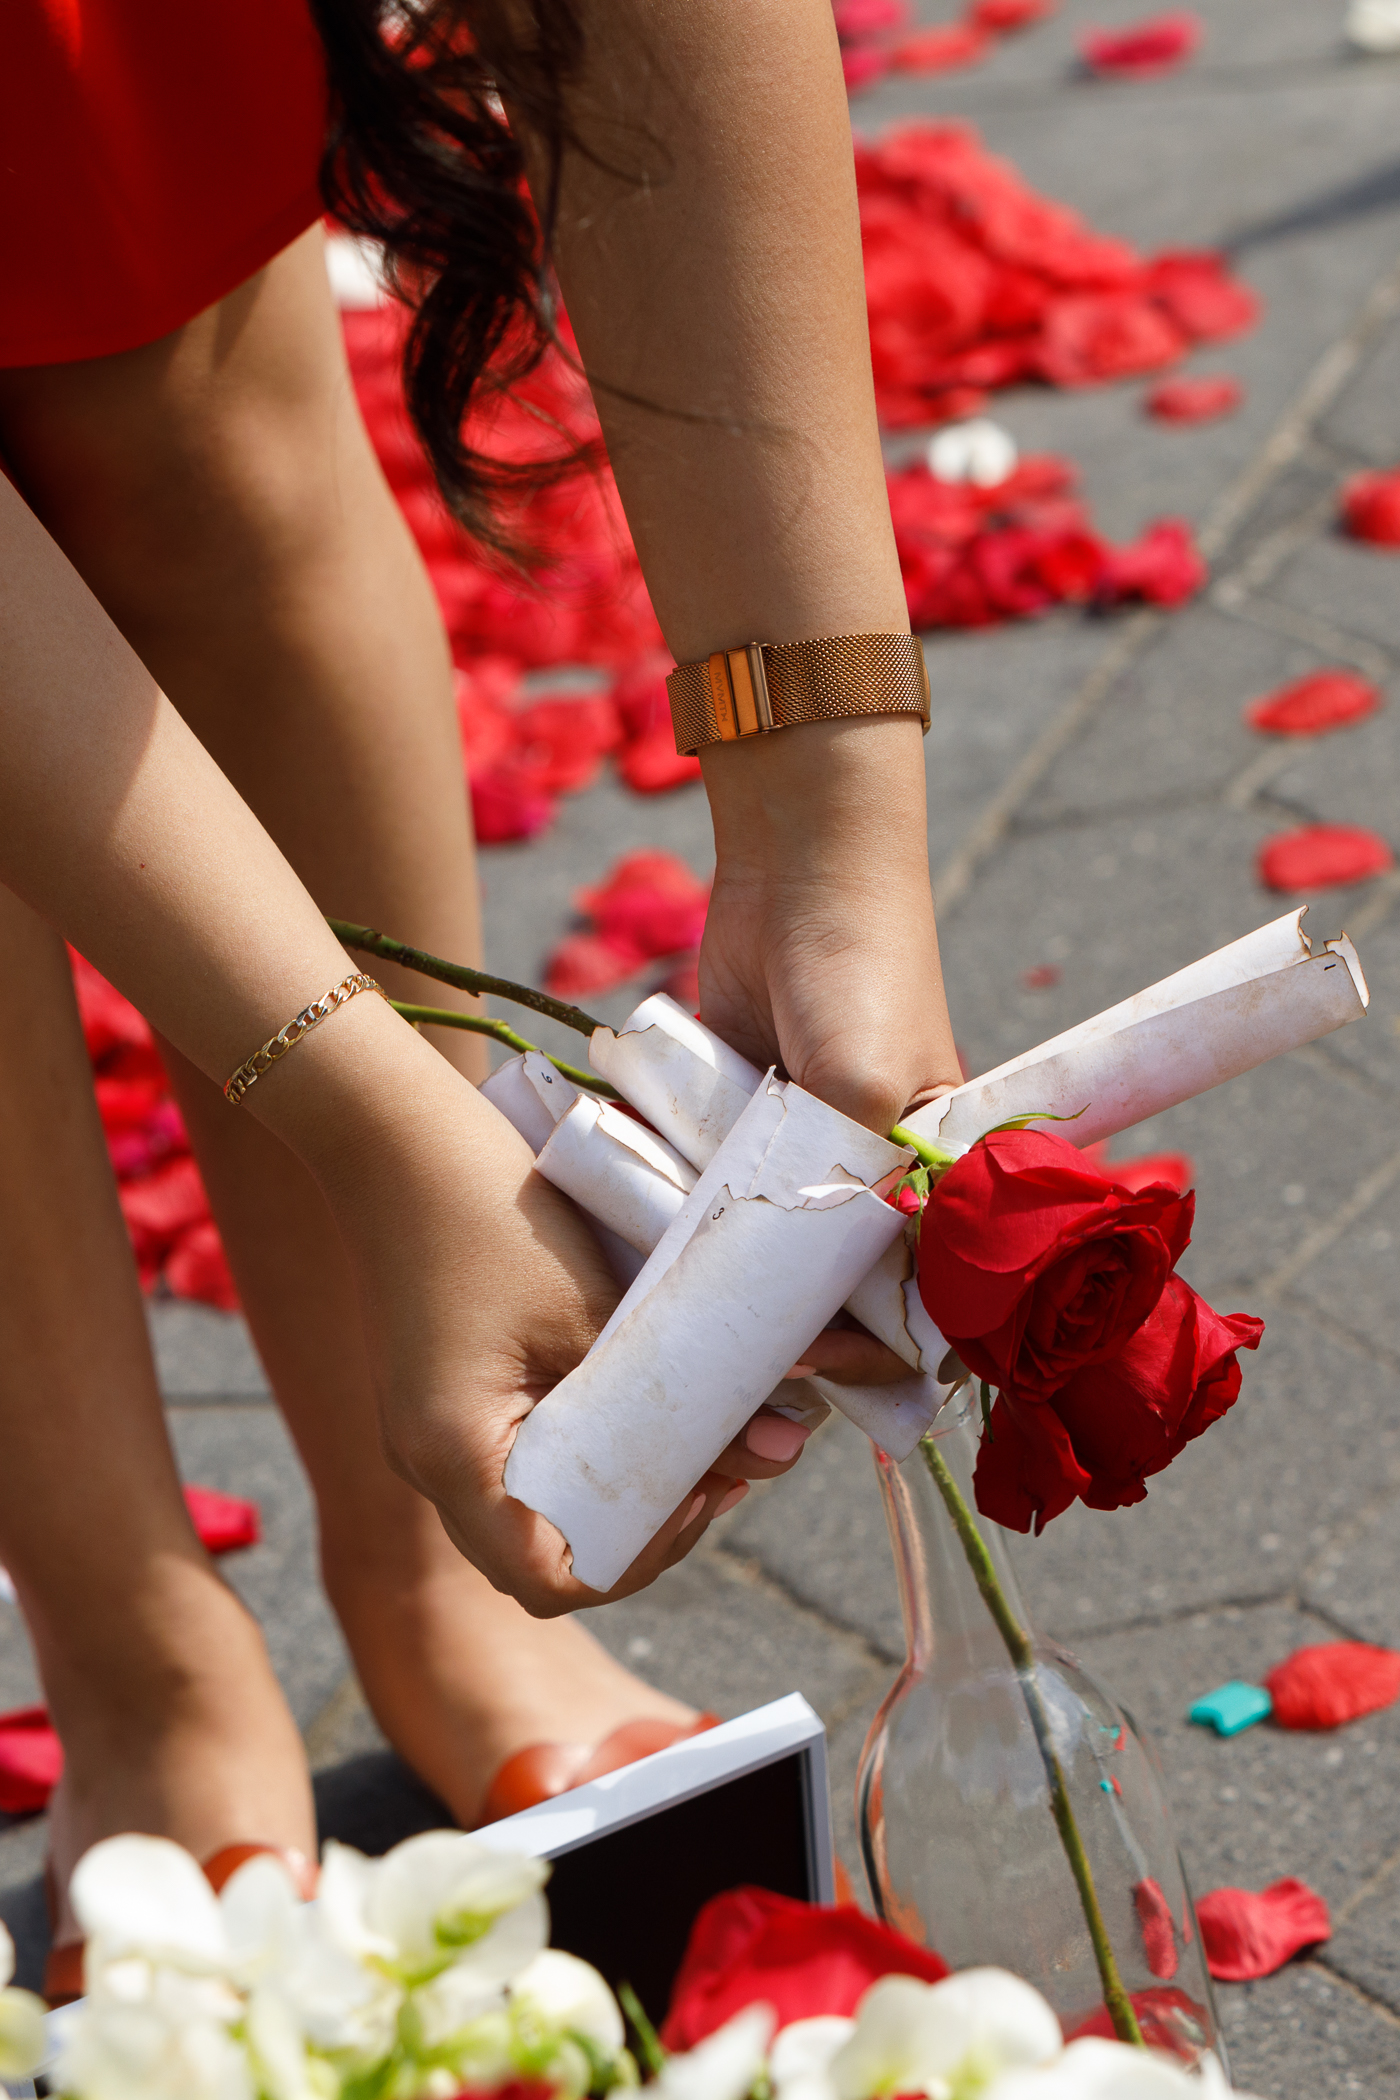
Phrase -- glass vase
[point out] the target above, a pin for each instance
(1011, 1813)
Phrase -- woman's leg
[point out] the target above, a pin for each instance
(220, 495)
(172, 1721)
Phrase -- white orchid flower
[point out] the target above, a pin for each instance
(146, 1896)
(722, 2067)
(437, 1900)
(570, 1996)
(943, 2039)
(799, 2062)
(160, 2050)
(21, 2020)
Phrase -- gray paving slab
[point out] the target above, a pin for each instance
(1352, 1578)
(1355, 584)
(1366, 1943)
(993, 693)
(1366, 421)
(1172, 731)
(1307, 2031)
(1354, 1281)
(202, 1354)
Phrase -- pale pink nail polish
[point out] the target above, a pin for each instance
(697, 1504)
(774, 1437)
(736, 1494)
(801, 1371)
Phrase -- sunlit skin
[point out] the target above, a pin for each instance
(219, 496)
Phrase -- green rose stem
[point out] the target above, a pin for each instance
(390, 950)
(1018, 1647)
(502, 1032)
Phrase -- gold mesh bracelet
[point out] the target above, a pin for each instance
(238, 1083)
(776, 685)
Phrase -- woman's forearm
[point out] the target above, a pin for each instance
(717, 280)
(117, 826)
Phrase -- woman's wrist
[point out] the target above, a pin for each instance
(827, 795)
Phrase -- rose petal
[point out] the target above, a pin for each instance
(224, 1522)
(1335, 1682)
(1151, 46)
(1311, 706)
(31, 1760)
(803, 1959)
(1248, 1935)
(1158, 1928)
(1322, 856)
(943, 49)
(1005, 17)
(1371, 508)
(1194, 400)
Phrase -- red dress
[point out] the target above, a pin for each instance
(153, 154)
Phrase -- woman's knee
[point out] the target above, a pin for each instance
(230, 450)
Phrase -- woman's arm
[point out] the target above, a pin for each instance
(716, 280)
(480, 1285)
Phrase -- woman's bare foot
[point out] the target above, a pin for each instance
(460, 1677)
(174, 1725)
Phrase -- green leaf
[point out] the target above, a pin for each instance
(648, 2040)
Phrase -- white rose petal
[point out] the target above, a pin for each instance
(978, 451)
(724, 2065)
(567, 1992)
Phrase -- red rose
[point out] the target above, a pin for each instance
(1113, 1423)
(750, 1946)
(1032, 1265)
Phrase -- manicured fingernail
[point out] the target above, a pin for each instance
(801, 1371)
(736, 1494)
(696, 1505)
(774, 1437)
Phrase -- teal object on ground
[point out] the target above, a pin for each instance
(1233, 1707)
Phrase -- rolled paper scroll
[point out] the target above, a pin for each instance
(1220, 1017)
(531, 1096)
(686, 1082)
(631, 1184)
(768, 1245)
(535, 1098)
(617, 1170)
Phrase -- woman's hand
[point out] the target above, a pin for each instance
(481, 1287)
(820, 951)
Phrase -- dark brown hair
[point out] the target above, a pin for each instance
(420, 158)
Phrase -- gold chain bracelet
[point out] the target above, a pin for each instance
(237, 1085)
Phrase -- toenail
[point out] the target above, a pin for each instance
(775, 1438)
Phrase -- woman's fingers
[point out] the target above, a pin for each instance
(851, 1356)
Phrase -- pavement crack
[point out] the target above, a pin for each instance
(1324, 636)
